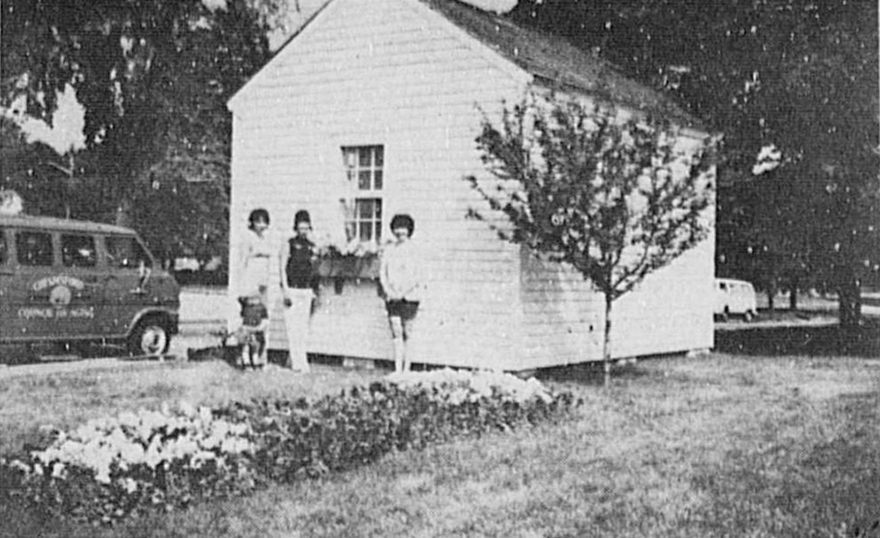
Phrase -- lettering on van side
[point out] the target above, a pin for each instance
(58, 280)
(31, 312)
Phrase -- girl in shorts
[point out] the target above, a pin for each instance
(402, 278)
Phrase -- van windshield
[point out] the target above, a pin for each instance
(126, 252)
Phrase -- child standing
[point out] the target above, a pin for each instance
(254, 324)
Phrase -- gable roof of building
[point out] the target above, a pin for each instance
(553, 61)
(556, 63)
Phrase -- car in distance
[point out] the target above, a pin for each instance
(735, 298)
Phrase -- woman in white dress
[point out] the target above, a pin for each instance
(256, 251)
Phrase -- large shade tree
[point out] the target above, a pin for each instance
(797, 75)
(616, 199)
(153, 78)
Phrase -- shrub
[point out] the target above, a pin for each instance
(300, 438)
(111, 468)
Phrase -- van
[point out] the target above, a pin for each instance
(735, 297)
(75, 282)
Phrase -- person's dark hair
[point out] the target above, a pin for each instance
(258, 214)
(403, 221)
(301, 216)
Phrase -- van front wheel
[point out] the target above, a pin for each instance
(149, 338)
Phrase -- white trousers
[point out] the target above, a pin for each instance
(296, 320)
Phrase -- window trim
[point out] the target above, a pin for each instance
(356, 194)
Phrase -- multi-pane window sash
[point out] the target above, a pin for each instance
(364, 171)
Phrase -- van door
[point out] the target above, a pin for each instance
(79, 261)
(127, 282)
(46, 300)
(7, 274)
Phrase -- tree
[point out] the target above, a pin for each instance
(797, 75)
(615, 199)
(153, 77)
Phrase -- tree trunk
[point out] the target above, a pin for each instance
(771, 297)
(606, 343)
(124, 212)
(793, 295)
(849, 301)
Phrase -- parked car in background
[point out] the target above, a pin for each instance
(68, 282)
(735, 298)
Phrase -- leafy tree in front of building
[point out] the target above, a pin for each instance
(616, 199)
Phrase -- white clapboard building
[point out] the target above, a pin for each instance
(372, 109)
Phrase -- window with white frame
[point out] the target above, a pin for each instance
(364, 171)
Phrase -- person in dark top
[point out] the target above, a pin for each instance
(299, 283)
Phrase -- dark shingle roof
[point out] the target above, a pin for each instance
(556, 63)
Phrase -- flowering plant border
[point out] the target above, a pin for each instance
(112, 468)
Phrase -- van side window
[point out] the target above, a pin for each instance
(4, 251)
(78, 251)
(126, 253)
(34, 248)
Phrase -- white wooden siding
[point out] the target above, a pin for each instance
(384, 72)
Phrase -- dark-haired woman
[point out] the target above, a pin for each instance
(299, 284)
(256, 251)
(401, 274)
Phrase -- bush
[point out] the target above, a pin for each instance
(300, 438)
(108, 468)
(111, 468)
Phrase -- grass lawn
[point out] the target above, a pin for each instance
(722, 445)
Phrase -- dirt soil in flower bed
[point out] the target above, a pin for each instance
(771, 442)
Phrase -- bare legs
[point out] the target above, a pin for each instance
(398, 338)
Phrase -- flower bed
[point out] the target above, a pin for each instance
(111, 468)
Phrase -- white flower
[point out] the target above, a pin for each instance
(235, 446)
(58, 470)
(205, 415)
(186, 408)
(129, 484)
(103, 475)
(240, 429)
(129, 419)
(153, 455)
(132, 453)
(20, 465)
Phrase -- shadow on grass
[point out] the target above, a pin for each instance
(825, 340)
(591, 373)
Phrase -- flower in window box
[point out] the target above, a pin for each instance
(351, 259)
(353, 248)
